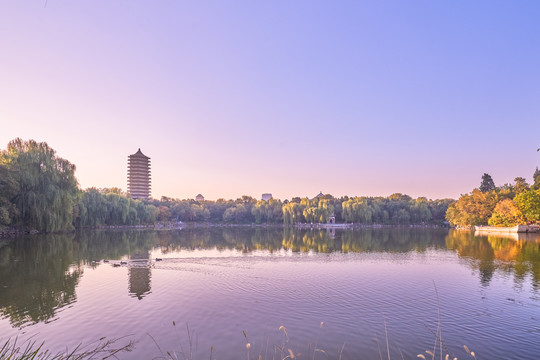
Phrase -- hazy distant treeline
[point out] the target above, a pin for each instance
(39, 191)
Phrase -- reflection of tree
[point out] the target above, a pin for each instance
(245, 239)
(366, 240)
(392, 240)
(39, 274)
(189, 239)
(304, 241)
(495, 252)
(103, 244)
(37, 278)
(301, 240)
(269, 239)
(135, 244)
(467, 245)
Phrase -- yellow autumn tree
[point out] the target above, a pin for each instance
(506, 213)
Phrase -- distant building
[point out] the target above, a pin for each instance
(139, 175)
(266, 197)
(199, 198)
(318, 196)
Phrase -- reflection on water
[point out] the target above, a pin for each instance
(39, 274)
(139, 274)
(499, 252)
(247, 240)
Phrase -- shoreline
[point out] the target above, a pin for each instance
(14, 233)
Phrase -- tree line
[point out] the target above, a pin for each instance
(507, 205)
(396, 209)
(39, 191)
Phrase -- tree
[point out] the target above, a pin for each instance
(420, 212)
(8, 190)
(506, 213)
(438, 209)
(487, 183)
(47, 186)
(529, 204)
(521, 185)
(536, 178)
(472, 209)
(293, 212)
(270, 211)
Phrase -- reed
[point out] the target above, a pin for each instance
(104, 348)
(439, 344)
(13, 349)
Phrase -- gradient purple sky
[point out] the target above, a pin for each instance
(287, 97)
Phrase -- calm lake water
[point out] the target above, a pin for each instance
(340, 292)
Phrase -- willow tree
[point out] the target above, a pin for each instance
(8, 190)
(47, 186)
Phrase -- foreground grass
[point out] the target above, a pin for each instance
(31, 350)
(109, 349)
(285, 349)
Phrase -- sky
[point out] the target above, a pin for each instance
(232, 98)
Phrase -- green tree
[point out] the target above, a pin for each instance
(270, 211)
(520, 185)
(438, 209)
(487, 183)
(112, 207)
(529, 204)
(237, 214)
(8, 190)
(357, 210)
(536, 178)
(420, 212)
(47, 186)
(293, 212)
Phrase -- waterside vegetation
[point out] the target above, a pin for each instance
(396, 209)
(39, 192)
(30, 350)
(13, 349)
(506, 206)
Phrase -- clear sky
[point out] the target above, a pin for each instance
(286, 97)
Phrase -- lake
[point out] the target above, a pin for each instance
(349, 294)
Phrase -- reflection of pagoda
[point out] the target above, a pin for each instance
(139, 275)
(139, 175)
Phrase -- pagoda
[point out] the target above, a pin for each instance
(139, 175)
